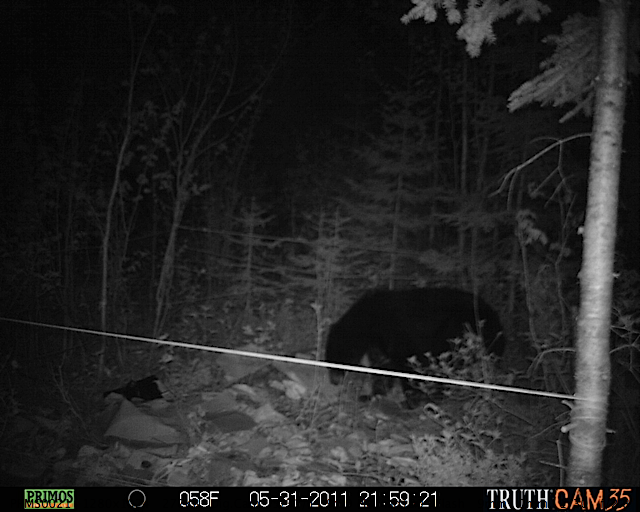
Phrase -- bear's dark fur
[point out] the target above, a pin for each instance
(390, 326)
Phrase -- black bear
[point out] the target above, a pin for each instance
(388, 327)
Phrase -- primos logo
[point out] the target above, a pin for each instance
(48, 498)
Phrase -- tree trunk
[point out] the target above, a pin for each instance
(593, 368)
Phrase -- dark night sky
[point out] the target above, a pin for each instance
(331, 43)
(337, 55)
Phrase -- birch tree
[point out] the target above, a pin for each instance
(590, 73)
